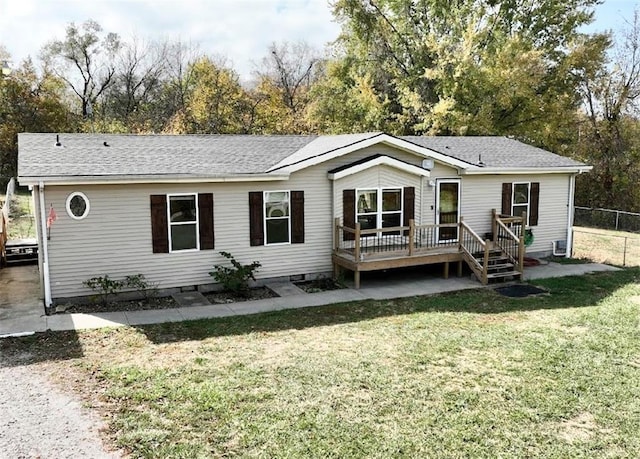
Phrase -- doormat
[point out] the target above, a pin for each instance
(520, 291)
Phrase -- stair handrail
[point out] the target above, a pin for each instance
(480, 269)
(508, 230)
(497, 221)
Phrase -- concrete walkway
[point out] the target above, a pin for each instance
(376, 289)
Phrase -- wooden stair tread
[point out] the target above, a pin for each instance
(503, 274)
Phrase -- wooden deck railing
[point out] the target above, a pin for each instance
(508, 235)
(393, 241)
(3, 238)
(473, 247)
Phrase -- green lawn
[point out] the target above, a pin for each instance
(468, 374)
(21, 223)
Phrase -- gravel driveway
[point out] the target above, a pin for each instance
(39, 421)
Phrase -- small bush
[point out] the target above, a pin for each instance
(140, 284)
(235, 278)
(104, 286)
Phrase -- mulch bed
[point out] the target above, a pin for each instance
(225, 297)
(520, 291)
(222, 297)
(319, 285)
(165, 302)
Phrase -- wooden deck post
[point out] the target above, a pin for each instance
(485, 264)
(446, 270)
(356, 246)
(460, 234)
(521, 248)
(336, 233)
(412, 235)
(494, 224)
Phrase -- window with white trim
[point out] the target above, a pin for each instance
(182, 216)
(521, 199)
(277, 217)
(77, 205)
(379, 208)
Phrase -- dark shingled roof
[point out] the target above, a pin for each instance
(201, 156)
(494, 151)
(85, 155)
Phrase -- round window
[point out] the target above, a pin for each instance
(77, 205)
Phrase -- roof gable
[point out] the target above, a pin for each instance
(373, 161)
(314, 153)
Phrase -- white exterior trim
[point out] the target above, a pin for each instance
(383, 139)
(122, 180)
(46, 280)
(474, 170)
(86, 201)
(170, 224)
(380, 161)
(570, 215)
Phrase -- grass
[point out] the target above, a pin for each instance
(21, 220)
(467, 374)
(618, 248)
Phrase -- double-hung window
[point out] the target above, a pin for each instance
(520, 199)
(183, 222)
(277, 219)
(379, 208)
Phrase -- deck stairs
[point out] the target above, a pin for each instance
(500, 266)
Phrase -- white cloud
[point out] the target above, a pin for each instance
(241, 30)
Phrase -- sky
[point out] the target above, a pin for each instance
(240, 30)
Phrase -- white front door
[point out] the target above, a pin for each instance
(448, 208)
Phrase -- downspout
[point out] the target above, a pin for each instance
(570, 213)
(45, 251)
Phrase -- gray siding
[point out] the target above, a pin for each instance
(115, 238)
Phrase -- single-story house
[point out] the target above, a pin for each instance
(165, 205)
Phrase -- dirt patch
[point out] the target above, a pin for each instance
(165, 302)
(225, 297)
(580, 428)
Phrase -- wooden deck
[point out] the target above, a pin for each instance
(376, 249)
(361, 250)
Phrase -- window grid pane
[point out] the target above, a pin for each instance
(277, 217)
(183, 222)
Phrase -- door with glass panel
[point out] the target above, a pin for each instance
(448, 209)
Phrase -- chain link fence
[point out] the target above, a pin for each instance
(618, 220)
(610, 247)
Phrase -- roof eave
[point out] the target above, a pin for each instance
(144, 179)
(525, 170)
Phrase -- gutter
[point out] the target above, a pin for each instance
(524, 170)
(45, 251)
(570, 215)
(123, 180)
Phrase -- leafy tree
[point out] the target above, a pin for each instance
(28, 103)
(85, 60)
(456, 67)
(610, 133)
(283, 91)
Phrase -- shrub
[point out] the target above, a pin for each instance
(140, 284)
(235, 278)
(104, 286)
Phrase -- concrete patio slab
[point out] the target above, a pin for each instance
(86, 321)
(206, 312)
(154, 316)
(190, 299)
(285, 289)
